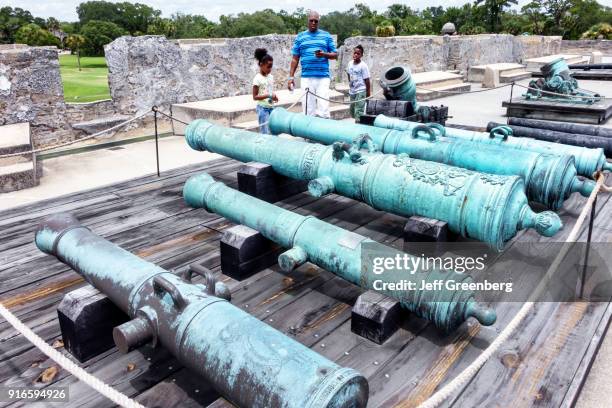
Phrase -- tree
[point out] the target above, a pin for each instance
(162, 26)
(75, 42)
(245, 25)
(132, 17)
(533, 12)
(97, 34)
(494, 9)
(32, 34)
(11, 20)
(192, 26)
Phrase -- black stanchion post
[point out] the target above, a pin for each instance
(156, 139)
(511, 93)
(306, 101)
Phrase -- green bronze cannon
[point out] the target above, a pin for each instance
(248, 362)
(549, 179)
(485, 207)
(587, 161)
(558, 85)
(336, 250)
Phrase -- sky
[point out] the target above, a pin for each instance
(65, 10)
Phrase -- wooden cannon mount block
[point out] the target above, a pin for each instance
(244, 252)
(423, 229)
(261, 181)
(87, 318)
(375, 316)
(595, 114)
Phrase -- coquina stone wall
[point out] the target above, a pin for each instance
(431, 53)
(586, 46)
(31, 91)
(152, 70)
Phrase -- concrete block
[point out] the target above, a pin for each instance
(491, 77)
(596, 57)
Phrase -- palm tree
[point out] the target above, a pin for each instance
(494, 9)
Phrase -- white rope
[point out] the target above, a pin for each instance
(345, 103)
(463, 92)
(467, 374)
(95, 383)
(289, 108)
(43, 149)
(595, 98)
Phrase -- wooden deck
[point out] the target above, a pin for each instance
(544, 364)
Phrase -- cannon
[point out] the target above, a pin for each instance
(557, 84)
(573, 139)
(485, 207)
(398, 84)
(549, 179)
(248, 362)
(587, 161)
(336, 250)
(561, 127)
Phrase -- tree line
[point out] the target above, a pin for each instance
(100, 22)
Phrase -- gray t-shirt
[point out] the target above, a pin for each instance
(358, 73)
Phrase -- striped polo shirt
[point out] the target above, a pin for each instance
(305, 45)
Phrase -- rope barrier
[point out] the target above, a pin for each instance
(68, 365)
(461, 92)
(595, 98)
(345, 103)
(289, 108)
(467, 374)
(44, 149)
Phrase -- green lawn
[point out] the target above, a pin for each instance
(88, 85)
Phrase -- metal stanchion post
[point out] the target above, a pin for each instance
(154, 108)
(510, 104)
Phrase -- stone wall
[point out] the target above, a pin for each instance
(31, 91)
(585, 47)
(81, 112)
(430, 53)
(152, 70)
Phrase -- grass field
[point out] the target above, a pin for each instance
(88, 85)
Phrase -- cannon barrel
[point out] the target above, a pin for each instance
(247, 361)
(559, 137)
(549, 179)
(587, 161)
(485, 207)
(567, 127)
(334, 249)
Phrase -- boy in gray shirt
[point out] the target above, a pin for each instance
(359, 82)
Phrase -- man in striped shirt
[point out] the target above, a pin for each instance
(313, 48)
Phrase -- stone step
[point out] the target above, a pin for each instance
(514, 76)
(233, 109)
(476, 72)
(97, 125)
(15, 138)
(436, 79)
(441, 92)
(534, 64)
(18, 173)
